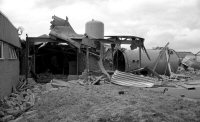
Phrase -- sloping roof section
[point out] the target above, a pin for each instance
(62, 29)
(8, 33)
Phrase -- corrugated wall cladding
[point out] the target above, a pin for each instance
(9, 73)
(8, 32)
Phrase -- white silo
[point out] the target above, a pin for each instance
(95, 29)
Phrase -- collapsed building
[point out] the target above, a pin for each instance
(9, 61)
(64, 51)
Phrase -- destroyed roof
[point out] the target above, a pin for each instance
(8, 33)
(44, 36)
(62, 29)
(125, 39)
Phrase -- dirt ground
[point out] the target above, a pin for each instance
(113, 103)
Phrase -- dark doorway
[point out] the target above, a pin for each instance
(119, 61)
(55, 58)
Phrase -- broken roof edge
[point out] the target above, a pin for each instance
(7, 19)
(62, 29)
(64, 37)
(64, 25)
(124, 36)
(10, 34)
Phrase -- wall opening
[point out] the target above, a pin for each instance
(56, 59)
(119, 61)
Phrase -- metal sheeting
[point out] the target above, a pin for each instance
(62, 29)
(8, 33)
(64, 34)
(129, 79)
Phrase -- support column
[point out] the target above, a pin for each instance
(140, 58)
(26, 58)
(87, 61)
(77, 58)
(34, 59)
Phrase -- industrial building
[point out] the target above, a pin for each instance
(9, 62)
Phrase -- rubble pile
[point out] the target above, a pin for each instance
(47, 77)
(191, 72)
(92, 79)
(176, 78)
(16, 105)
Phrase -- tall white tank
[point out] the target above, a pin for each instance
(95, 29)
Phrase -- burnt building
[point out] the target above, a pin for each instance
(9, 62)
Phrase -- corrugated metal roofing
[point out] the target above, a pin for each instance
(8, 33)
(62, 29)
(62, 33)
(129, 79)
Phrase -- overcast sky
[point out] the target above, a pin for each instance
(158, 21)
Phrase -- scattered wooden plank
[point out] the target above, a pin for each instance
(97, 80)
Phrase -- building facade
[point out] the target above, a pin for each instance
(9, 62)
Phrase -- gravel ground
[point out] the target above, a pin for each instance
(113, 103)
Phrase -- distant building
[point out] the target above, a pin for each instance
(9, 62)
(182, 55)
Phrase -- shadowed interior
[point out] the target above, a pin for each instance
(119, 61)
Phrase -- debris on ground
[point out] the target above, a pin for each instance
(129, 79)
(92, 78)
(115, 103)
(25, 102)
(19, 102)
(18, 106)
(47, 77)
(192, 61)
(56, 83)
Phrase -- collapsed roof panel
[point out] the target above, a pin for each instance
(125, 39)
(62, 29)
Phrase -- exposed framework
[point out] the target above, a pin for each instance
(62, 32)
(113, 40)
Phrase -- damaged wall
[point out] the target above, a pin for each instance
(93, 63)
